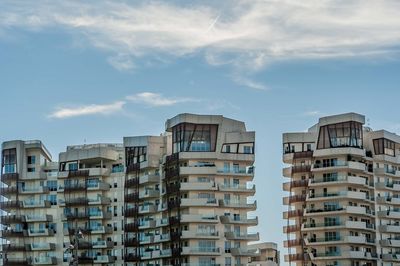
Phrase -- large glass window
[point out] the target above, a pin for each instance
(347, 134)
(384, 146)
(194, 137)
(9, 162)
(136, 154)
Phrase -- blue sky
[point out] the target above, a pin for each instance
(99, 71)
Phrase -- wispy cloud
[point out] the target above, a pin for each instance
(243, 81)
(91, 109)
(156, 99)
(251, 33)
(312, 113)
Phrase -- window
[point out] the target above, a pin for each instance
(52, 199)
(384, 146)
(228, 148)
(73, 166)
(52, 185)
(9, 162)
(135, 154)
(31, 169)
(32, 159)
(347, 134)
(247, 150)
(187, 137)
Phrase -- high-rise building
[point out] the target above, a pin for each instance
(181, 198)
(343, 203)
(187, 193)
(91, 201)
(29, 230)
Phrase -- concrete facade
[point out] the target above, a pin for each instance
(343, 194)
(181, 198)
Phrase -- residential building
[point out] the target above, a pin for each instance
(30, 220)
(91, 185)
(187, 193)
(182, 198)
(267, 254)
(343, 194)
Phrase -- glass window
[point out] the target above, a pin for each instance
(9, 161)
(32, 159)
(347, 134)
(31, 169)
(188, 137)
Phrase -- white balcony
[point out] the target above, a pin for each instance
(42, 246)
(44, 260)
(151, 178)
(149, 194)
(211, 251)
(191, 186)
(237, 188)
(161, 238)
(206, 202)
(199, 235)
(196, 218)
(193, 170)
(389, 228)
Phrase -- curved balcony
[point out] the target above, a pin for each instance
(294, 199)
(198, 251)
(40, 232)
(199, 235)
(131, 212)
(292, 214)
(162, 238)
(12, 204)
(12, 233)
(193, 186)
(149, 194)
(131, 227)
(354, 210)
(338, 240)
(44, 260)
(197, 218)
(238, 236)
(238, 188)
(202, 202)
(11, 219)
(42, 246)
(132, 182)
(291, 228)
(36, 204)
(130, 257)
(243, 252)
(131, 197)
(339, 180)
(340, 165)
(14, 248)
(297, 257)
(292, 243)
(295, 184)
(238, 220)
(346, 224)
(17, 261)
(238, 204)
(356, 195)
(9, 177)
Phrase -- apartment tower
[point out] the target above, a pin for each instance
(91, 185)
(187, 193)
(28, 190)
(343, 203)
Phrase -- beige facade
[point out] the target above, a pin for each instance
(342, 194)
(29, 212)
(188, 192)
(182, 198)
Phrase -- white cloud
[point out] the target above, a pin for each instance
(313, 113)
(121, 62)
(249, 83)
(156, 99)
(92, 109)
(246, 34)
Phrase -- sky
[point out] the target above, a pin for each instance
(94, 71)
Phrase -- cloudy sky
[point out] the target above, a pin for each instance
(72, 72)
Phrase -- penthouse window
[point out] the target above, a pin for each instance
(188, 137)
(9, 162)
(384, 146)
(136, 154)
(347, 134)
